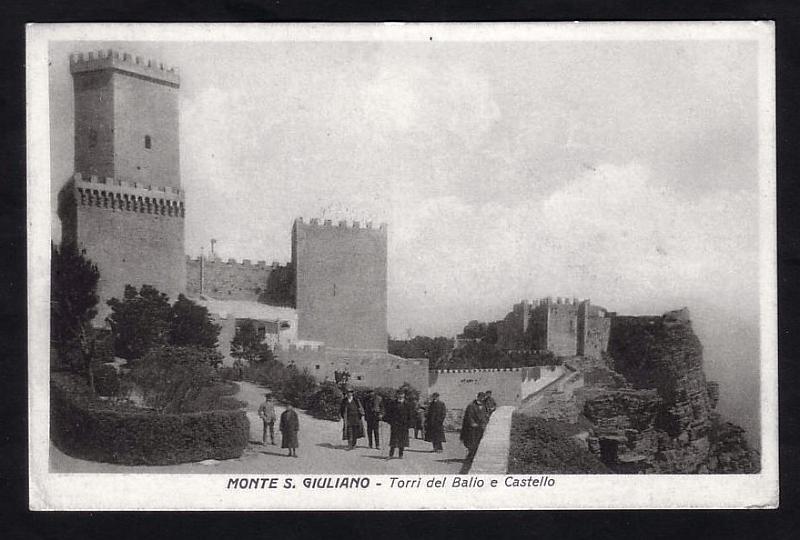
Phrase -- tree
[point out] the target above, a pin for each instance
(191, 325)
(73, 302)
(140, 321)
(247, 344)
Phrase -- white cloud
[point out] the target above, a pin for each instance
(611, 234)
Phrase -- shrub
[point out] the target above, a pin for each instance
(106, 380)
(543, 446)
(87, 429)
(297, 388)
(173, 378)
(325, 402)
(268, 373)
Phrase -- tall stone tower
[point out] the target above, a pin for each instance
(340, 280)
(124, 205)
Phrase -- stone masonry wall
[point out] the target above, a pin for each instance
(120, 99)
(341, 284)
(366, 368)
(134, 236)
(562, 329)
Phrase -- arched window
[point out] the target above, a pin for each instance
(147, 142)
(92, 137)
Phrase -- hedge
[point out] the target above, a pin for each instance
(86, 429)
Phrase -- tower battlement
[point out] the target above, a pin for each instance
(118, 195)
(234, 262)
(124, 62)
(82, 180)
(342, 224)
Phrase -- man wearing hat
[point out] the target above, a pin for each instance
(475, 420)
(351, 412)
(400, 416)
(267, 413)
(373, 414)
(434, 422)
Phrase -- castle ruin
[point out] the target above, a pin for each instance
(563, 326)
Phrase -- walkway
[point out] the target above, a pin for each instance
(321, 451)
(492, 456)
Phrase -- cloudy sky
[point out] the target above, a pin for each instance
(624, 172)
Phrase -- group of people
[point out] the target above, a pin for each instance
(400, 413)
(476, 417)
(289, 424)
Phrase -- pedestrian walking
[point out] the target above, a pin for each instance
(475, 420)
(266, 411)
(373, 414)
(400, 417)
(434, 422)
(351, 412)
(289, 426)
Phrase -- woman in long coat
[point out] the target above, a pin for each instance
(289, 426)
(434, 422)
(400, 416)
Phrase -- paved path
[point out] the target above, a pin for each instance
(321, 451)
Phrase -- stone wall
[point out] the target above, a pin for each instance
(118, 102)
(598, 331)
(562, 329)
(366, 368)
(341, 283)
(133, 234)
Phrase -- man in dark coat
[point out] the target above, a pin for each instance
(289, 426)
(373, 414)
(400, 417)
(489, 403)
(434, 422)
(351, 412)
(475, 420)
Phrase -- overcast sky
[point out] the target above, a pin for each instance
(624, 172)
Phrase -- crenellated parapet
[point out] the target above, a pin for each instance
(231, 262)
(478, 370)
(341, 225)
(124, 62)
(106, 192)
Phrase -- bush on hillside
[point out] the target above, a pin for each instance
(543, 446)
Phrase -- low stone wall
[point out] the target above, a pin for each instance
(492, 455)
(366, 368)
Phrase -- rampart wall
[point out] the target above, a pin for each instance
(230, 280)
(340, 274)
(366, 368)
(133, 233)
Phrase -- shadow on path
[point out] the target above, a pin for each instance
(333, 446)
(281, 454)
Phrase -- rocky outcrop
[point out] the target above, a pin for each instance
(660, 420)
(730, 452)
